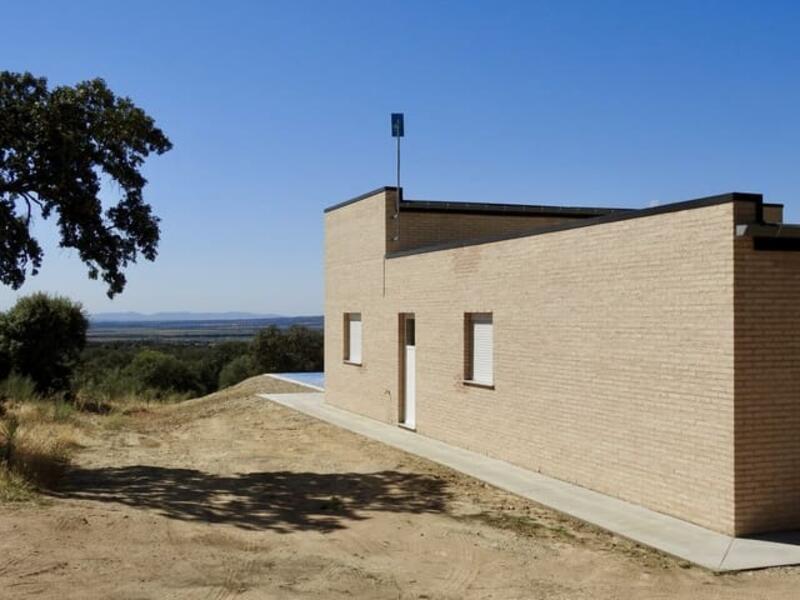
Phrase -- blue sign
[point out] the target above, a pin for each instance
(397, 125)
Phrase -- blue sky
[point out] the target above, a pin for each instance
(278, 109)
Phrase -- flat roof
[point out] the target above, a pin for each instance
(484, 208)
(606, 218)
(491, 208)
(585, 216)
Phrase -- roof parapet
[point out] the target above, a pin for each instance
(588, 222)
(376, 191)
(486, 208)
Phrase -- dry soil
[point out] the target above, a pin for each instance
(231, 496)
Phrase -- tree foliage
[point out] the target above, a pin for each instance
(237, 370)
(5, 359)
(42, 337)
(210, 364)
(151, 370)
(56, 145)
(116, 369)
(294, 349)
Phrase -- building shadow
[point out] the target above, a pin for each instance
(280, 501)
(787, 538)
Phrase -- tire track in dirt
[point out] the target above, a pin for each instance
(238, 560)
(9, 564)
(178, 543)
(463, 565)
(453, 560)
(237, 573)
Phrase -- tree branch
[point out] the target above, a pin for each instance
(28, 199)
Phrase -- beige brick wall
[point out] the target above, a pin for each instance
(425, 228)
(613, 349)
(767, 388)
(355, 244)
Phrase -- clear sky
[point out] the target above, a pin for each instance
(278, 109)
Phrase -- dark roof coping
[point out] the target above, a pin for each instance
(486, 208)
(609, 218)
(777, 230)
(385, 188)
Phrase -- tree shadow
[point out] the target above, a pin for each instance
(280, 501)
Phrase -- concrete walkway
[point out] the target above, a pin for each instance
(681, 539)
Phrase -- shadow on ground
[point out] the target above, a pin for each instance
(280, 501)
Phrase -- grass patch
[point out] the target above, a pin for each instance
(37, 440)
(41, 455)
(115, 421)
(519, 524)
(14, 487)
(18, 389)
(63, 411)
(39, 434)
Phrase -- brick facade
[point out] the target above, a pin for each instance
(422, 228)
(767, 388)
(630, 356)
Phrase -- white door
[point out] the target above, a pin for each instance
(410, 362)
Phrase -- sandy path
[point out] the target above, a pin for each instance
(235, 497)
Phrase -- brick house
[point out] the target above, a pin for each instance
(652, 355)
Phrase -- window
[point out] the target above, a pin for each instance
(410, 333)
(352, 338)
(479, 349)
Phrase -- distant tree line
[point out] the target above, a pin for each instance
(43, 339)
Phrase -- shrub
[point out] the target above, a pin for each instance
(103, 366)
(296, 349)
(5, 360)
(305, 348)
(30, 456)
(63, 411)
(106, 385)
(41, 457)
(210, 361)
(235, 371)
(43, 336)
(161, 373)
(13, 486)
(16, 388)
(99, 358)
(8, 438)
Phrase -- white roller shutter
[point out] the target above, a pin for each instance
(354, 323)
(482, 349)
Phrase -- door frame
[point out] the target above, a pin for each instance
(402, 319)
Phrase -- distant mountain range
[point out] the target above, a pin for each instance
(136, 317)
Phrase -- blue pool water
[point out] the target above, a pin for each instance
(316, 379)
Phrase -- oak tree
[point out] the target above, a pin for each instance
(42, 337)
(56, 148)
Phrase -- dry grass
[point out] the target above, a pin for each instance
(39, 436)
(177, 413)
(521, 524)
(43, 453)
(14, 487)
(37, 440)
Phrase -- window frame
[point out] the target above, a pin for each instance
(349, 317)
(470, 319)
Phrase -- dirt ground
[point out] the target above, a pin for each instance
(232, 496)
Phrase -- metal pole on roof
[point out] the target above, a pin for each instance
(398, 131)
(398, 164)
